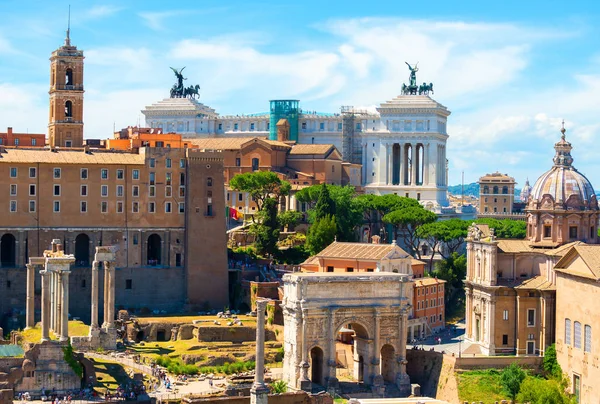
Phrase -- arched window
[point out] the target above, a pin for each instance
(486, 190)
(577, 335)
(255, 164)
(505, 190)
(82, 250)
(69, 77)
(567, 331)
(587, 342)
(68, 109)
(495, 189)
(209, 182)
(154, 250)
(8, 251)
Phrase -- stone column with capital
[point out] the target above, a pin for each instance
(58, 316)
(402, 378)
(332, 381)
(30, 303)
(64, 334)
(305, 383)
(94, 321)
(378, 382)
(414, 163)
(51, 308)
(46, 308)
(106, 298)
(259, 391)
(109, 271)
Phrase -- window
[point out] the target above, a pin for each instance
(120, 174)
(152, 190)
(56, 190)
(83, 173)
(135, 191)
(152, 163)
(151, 207)
(181, 163)
(339, 126)
(168, 163)
(330, 269)
(349, 269)
(57, 173)
(31, 189)
(252, 126)
(104, 207)
(13, 206)
(32, 206)
(505, 339)
(152, 178)
(168, 207)
(119, 207)
(33, 141)
(240, 197)
(547, 231)
(505, 190)
(209, 182)
(13, 189)
(178, 259)
(13, 172)
(128, 283)
(592, 232)
(255, 164)
(32, 172)
(160, 144)
(587, 342)
(495, 190)
(181, 179)
(135, 207)
(220, 126)
(104, 190)
(321, 125)
(505, 315)
(576, 387)
(104, 174)
(530, 317)
(572, 232)
(181, 207)
(577, 335)
(303, 125)
(235, 126)
(168, 192)
(120, 191)
(370, 270)
(83, 206)
(168, 179)
(209, 210)
(135, 239)
(567, 331)
(56, 206)
(135, 174)
(181, 192)
(238, 162)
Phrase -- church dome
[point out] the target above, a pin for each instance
(563, 187)
(526, 192)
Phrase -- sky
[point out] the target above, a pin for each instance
(509, 71)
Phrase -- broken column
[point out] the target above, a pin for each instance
(259, 391)
(46, 308)
(94, 321)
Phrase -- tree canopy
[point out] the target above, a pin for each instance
(506, 228)
(321, 234)
(261, 185)
(511, 379)
(407, 220)
(266, 230)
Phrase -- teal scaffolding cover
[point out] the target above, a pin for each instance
(284, 109)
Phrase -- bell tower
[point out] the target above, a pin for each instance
(65, 127)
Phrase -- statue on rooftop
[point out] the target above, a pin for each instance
(179, 91)
(413, 74)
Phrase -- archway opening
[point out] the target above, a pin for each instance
(154, 250)
(316, 366)
(8, 253)
(69, 77)
(82, 250)
(68, 109)
(387, 362)
(352, 344)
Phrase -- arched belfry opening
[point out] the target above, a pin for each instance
(68, 109)
(8, 253)
(82, 250)
(69, 77)
(154, 250)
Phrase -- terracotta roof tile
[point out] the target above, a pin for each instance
(537, 282)
(69, 157)
(359, 251)
(428, 281)
(230, 143)
(591, 256)
(311, 148)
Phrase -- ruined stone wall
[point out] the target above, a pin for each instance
(299, 397)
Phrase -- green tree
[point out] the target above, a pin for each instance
(407, 221)
(261, 185)
(551, 367)
(453, 270)
(536, 390)
(321, 234)
(325, 205)
(289, 219)
(511, 379)
(266, 230)
(506, 228)
(450, 233)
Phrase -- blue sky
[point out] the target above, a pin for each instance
(509, 71)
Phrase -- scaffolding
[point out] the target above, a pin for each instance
(351, 145)
(284, 109)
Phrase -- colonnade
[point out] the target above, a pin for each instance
(409, 164)
(106, 255)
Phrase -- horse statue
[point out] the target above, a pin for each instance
(425, 89)
(192, 91)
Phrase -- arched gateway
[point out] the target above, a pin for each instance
(375, 306)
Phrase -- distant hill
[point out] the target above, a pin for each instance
(473, 190)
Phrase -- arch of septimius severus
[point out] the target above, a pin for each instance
(375, 306)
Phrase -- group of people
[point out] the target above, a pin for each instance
(161, 375)
(129, 392)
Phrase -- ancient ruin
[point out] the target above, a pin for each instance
(375, 306)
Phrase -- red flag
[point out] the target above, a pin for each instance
(234, 214)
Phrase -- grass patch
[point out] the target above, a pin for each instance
(176, 366)
(229, 368)
(207, 320)
(76, 329)
(478, 385)
(109, 375)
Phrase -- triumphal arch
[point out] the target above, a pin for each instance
(375, 306)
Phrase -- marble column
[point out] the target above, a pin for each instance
(259, 391)
(64, 334)
(45, 304)
(414, 162)
(105, 301)
(94, 321)
(403, 162)
(51, 299)
(58, 316)
(332, 381)
(111, 294)
(426, 165)
(388, 169)
(30, 303)
(375, 358)
(304, 365)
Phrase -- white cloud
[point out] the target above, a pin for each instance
(101, 11)
(23, 107)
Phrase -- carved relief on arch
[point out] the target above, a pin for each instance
(547, 202)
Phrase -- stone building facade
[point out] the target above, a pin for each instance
(511, 285)
(375, 306)
(496, 193)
